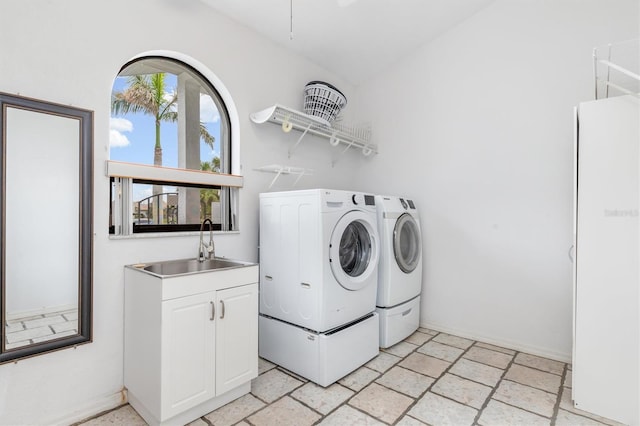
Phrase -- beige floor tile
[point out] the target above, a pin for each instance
(567, 404)
(438, 350)
(535, 378)
(346, 415)
(383, 362)
(12, 328)
(419, 338)
(235, 411)
(406, 381)
(410, 421)
(382, 403)
(264, 365)
(292, 374)
(285, 412)
(428, 331)
(24, 335)
(489, 357)
(124, 415)
(568, 379)
(401, 349)
(359, 379)
(198, 422)
(462, 390)
(40, 322)
(566, 418)
(544, 364)
(425, 364)
(495, 348)
(498, 413)
(531, 399)
(273, 384)
(322, 399)
(436, 410)
(456, 341)
(477, 372)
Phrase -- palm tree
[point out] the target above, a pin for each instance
(147, 94)
(208, 196)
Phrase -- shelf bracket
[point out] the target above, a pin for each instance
(278, 173)
(284, 170)
(295, 145)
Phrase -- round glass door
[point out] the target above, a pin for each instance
(406, 243)
(353, 251)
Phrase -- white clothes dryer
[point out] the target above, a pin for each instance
(400, 268)
(319, 253)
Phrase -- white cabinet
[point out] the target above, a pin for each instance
(191, 342)
(236, 337)
(606, 359)
(187, 353)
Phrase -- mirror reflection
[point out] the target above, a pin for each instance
(41, 166)
(46, 226)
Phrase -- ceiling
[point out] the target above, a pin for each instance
(354, 39)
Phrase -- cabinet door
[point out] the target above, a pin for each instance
(237, 337)
(188, 356)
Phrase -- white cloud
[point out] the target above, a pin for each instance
(116, 128)
(208, 110)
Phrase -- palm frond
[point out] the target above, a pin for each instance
(206, 137)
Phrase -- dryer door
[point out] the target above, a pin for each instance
(406, 243)
(353, 250)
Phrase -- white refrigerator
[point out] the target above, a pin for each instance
(606, 347)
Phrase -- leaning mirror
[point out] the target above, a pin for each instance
(46, 230)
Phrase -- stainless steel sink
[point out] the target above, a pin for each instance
(190, 266)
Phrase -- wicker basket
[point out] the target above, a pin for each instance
(323, 100)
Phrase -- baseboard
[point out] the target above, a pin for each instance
(516, 346)
(93, 408)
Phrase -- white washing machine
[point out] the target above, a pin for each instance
(400, 268)
(319, 253)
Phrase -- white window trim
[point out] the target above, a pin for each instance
(169, 174)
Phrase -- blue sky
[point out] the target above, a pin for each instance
(132, 136)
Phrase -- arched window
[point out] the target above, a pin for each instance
(169, 149)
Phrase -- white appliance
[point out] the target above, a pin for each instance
(400, 268)
(606, 347)
(319, 253)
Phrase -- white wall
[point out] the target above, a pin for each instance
(477, 128)
(69, 52)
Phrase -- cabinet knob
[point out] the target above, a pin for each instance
(222, 307)
(213, 311)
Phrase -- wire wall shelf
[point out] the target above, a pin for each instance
(337, 133)
(616, 69)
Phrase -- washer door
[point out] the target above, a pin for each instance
(353, 250)
(406, 243)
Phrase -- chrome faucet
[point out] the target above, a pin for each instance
(202, 247)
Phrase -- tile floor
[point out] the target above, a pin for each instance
(39, 328)
(430, 378)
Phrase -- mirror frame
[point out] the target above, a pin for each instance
(85, 248)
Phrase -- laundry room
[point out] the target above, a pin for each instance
(374, 212)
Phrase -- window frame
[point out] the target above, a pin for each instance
(124, 174)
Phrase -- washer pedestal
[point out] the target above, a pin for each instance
(398, 322)
(322, 358)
